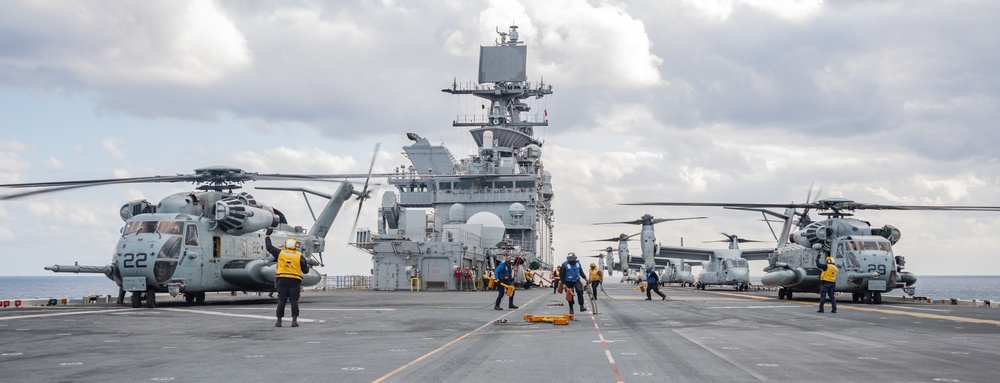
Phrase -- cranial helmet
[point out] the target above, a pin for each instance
(291, 244)
(571, 256)
(592, 265)
(829, 259)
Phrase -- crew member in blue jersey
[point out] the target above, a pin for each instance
(571, 276)
(653, 284)
(827, 282)
(504, 274)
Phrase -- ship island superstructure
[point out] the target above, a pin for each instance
(448, 214)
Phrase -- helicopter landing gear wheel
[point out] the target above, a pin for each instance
(136, 299)
(855, 297)
(868, 298)
(788, 294)
(781, 293)
(200, 298)
(189, 298)
(877, 298)
(150, 299)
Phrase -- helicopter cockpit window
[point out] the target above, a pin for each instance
(871, 246)
(130, 228)
(742, 263)
(854, 246)
(147, 227)
(191, 239)
(170, 227)
(840, 251)
(885, 246)
(852, 261)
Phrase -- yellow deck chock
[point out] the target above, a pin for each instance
(510, 289)
(554, 319)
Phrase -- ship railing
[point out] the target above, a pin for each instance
(533, 119)
(333, 282)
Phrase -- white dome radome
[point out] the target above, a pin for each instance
(493, 227)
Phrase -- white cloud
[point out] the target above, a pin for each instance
(785, 9)
(53, 163)
(112, 149)
(190, 43)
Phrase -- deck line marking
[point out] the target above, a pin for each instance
(59, 314)
(604, 343)
(233, 315)
(446, 345)
(888, 311)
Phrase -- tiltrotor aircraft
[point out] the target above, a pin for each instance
(721, 266)
(672, 269)
(868, 267)
(207, 240)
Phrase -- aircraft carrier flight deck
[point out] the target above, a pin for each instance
(372, 336)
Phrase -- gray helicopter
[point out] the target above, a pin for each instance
(211, 239)
(727, 267)
(671, 269)
(868, 266)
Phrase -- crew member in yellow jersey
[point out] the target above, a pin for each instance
(290, 267)
(596, 277)
(827, 282)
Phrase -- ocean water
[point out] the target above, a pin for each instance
(76, 287)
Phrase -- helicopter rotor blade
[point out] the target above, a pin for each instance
(365, 193)
(658, 220)
(69, 185)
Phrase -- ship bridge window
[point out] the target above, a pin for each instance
(524, 184)
(444, 185)
(504, 184)
(170, 227)
(463, 185)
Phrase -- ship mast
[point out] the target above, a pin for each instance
(503, 81)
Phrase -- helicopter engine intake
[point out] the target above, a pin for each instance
(888, 232)
(237, 218)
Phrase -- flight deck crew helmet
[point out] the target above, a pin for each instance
(592, 265)
(571, 256)
(829, 259)
(291, 244)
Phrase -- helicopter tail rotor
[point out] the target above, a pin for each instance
(364, 193)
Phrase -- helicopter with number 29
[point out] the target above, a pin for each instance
(863, 253)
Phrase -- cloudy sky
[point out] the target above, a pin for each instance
(888, 102)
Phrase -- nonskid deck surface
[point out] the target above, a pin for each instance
(369, 336)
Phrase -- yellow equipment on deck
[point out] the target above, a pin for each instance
(554, 319)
